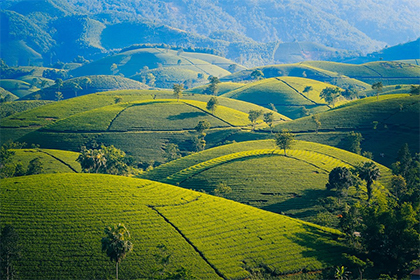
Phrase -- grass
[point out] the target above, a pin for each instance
(263, 177)
(53, 161)
(60, 221)
(385, 125)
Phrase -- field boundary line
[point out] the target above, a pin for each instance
(301, 94)
(191, 105)
(60, 160)
(119, 113)
(189, 242)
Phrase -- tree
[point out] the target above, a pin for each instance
(257, 74)
(117, 99)
(315, 119)
(86, 82)
(106, 160)
(172, 151)
(34, 167)
(58, 83)
(284, 140)
(339, 178)
(353, 140)
(43, 83)
(232, 68)
(398, 186)
(212, 104)
(330, 94)
(307, 89)
(73, 86)
(58, 96)
(369, 172)
(253, 115)
(213, 87)
(415, 90)
(202, 126)
(10, 252)
(178, 88)
(222, 189)
(115, 243)
(268, 119)
(378, 86)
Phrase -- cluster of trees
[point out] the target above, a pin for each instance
(9, 168)
(105, 160)
(383, 231)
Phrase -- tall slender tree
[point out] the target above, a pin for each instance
(369, 172)
(378, 86)
(178, 88)
(115, 244)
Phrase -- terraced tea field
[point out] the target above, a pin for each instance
(286, 93)
(53, 161)
(60, 221)
(263, 177)
(385, 125)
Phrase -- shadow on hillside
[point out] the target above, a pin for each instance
(301, 204)
(186, 115)
(323, 246)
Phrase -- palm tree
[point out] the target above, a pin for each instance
(115, 244)
(369, 172)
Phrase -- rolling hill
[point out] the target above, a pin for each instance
(142, 128)
(86, 85)
(154, 60)
(385, 125)
(260, 175)
(64, 216)
(341, 74)
(53, 161)
(285, 93)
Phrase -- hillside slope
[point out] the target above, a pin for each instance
(385, 125)
(211, 237)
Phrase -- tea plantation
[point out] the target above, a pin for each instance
(385, 125)
(60, 221)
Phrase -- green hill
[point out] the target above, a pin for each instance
(63, 216)
(17, 87)
(6, 95)
(53, 161)
(222, 87)
(388, 72)
(86, 85)
(141, 131)
(133, 62)
(260, 175)
(385, 125)
(285, 93)
(299, 70)
(10, 108)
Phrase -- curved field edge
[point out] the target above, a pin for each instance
(60, 220)
(101, 119)
(165, 171)
(53, 161)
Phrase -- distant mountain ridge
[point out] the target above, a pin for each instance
(250, 32)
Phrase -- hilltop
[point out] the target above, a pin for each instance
(140, 125)
(340, 74)
(385, 125)
(202, 233)
(260, 175)
(286, 94)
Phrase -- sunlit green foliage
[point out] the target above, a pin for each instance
(68, 207)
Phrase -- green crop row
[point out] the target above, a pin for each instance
(60, 220)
